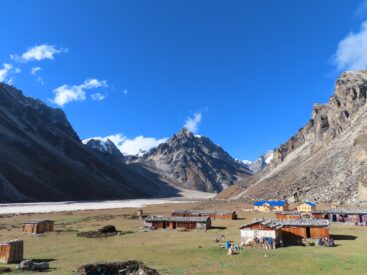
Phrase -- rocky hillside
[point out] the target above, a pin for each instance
(326, 160)
(193, 162)
(43, 159)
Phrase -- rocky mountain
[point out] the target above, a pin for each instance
(107, 148)
(193, 162)
(326, 160)
(43, 159)
(261, 162)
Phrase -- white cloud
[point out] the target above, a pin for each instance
(4, 72)
(35, 70)
(65, 93)
(352, 50)
(97, 96)
(125, 92)
(38, 53)
(140, 143)
(192, 123)
(133, 146)
(40, 80)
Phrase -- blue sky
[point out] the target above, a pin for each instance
(244, 73)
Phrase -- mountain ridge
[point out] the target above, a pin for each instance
(193, 162)
(324, 161)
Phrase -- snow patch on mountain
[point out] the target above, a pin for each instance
(137, 146)
(260, 163)
(246, 162)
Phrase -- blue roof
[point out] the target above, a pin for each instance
(271, 203)
(259, 203)
(310, 203)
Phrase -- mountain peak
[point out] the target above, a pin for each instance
(184, 132)
(194, 163)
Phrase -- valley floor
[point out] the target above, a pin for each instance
(174, 252)
(47, 207)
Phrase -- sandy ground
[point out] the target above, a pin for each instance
(47, 207)
(192, 194)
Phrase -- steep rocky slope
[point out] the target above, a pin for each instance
(43, 159)
(193, 162)
(326, 160)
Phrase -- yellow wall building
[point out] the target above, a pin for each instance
(306, 207)
(271, 205)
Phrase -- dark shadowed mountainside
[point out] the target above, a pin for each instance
(43, 159)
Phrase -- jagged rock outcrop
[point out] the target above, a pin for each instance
(261, 162)
(328, 120)
(193, 162)
(43, 159)
(326, 160)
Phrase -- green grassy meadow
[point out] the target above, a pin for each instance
(174, 252)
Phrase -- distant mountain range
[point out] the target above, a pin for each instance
(43, 159)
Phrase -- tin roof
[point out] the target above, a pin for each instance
(270, 223)
(291, 212)
(309, 203)
(203, 212)
(306, 223)
(344, 211)
(36, 221)
(176, 219)
(276, 224)
(271, 203)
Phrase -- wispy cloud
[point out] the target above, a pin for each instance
(97, 97)
(134, 146)
(40, 80)
(38, 53)
(192, 123)
(5, 71)
(66, 93)
(351, 53)
(34, 70)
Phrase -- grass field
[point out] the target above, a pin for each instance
(172, 252)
